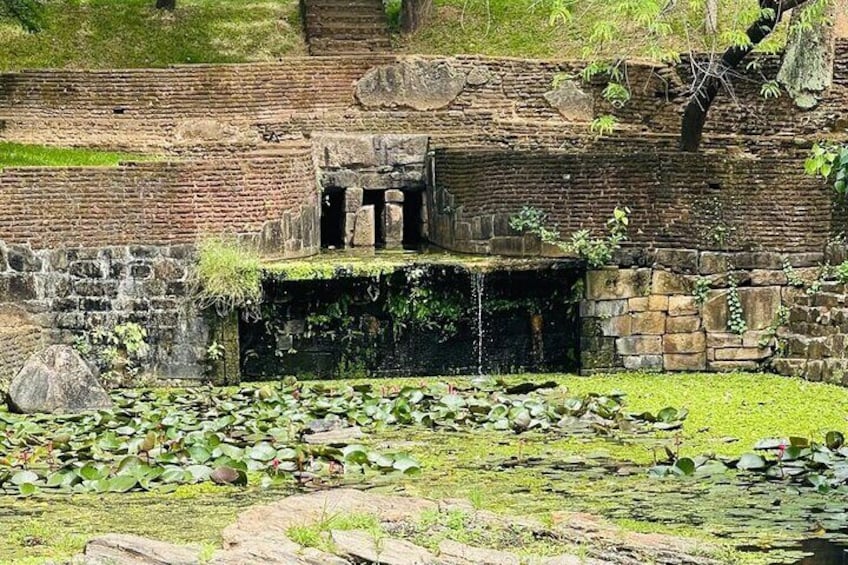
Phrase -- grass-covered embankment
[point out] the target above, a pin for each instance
(23, 155)
(103, 34)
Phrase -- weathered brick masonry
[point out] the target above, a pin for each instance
(754, 198)
(89, 246)
(161, 203)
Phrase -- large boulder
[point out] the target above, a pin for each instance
(420, 84)
(56, 380)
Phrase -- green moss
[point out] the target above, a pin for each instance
(132, 33)
(528, 474)
(21, 155)
(330, 265)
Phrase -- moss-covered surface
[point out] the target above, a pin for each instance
(523, 474)
(347, 264)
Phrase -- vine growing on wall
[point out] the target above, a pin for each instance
(119, 352)
(736, 316)
(597, 252)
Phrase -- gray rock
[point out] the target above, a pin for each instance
(361, 545)
(462, 554)
(56, 380)
(119, 549)
(573, 104)
(420, 84)
(338, 437)
(364, 234)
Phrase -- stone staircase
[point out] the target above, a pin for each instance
(335, 27)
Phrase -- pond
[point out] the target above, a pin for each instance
(598, 464)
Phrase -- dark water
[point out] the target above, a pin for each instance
(824, 552)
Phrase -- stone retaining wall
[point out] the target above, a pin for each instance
(235, 103)
(737, 199)
(674, 313)
(271, 198)
(55, 296)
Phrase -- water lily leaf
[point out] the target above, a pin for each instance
(122, 483)
(199, 453)
(770, 443)
(24, 477)
(228, 476)
(834, 440)
(27, 489)
(261, 452)
(356, 454)
(685, 466)
(199, 472)
(407, 465)
(751, 462)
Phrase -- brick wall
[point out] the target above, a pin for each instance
(736, 199)
(235, 103)
(19, 338)
(160, 203)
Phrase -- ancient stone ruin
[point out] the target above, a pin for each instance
(373, 151)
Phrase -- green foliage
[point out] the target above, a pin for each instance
(770, 89)
(603, 125)
(841, 272)
(159, 440)
(595, 251)
(735, 316)
(26, 13)
(821, 465)
(421, 306)
(227, 276)
(701, 290)
(119, 352)
(21, 155)
(592, 30)
(791, 275)
(133, 33)
(830, 161)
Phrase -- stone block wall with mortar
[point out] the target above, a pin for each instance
(55, 296)
(671, 312)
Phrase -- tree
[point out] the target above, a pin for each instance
(25, 12)
(718, 35)
(709, 81)
(414, 14)
(166, 5)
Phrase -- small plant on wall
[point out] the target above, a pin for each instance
(227, 276)
(119, 352)
(597, 252)
(830, 161)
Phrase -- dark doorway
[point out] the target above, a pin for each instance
(377, 198)
(412, 203)
(332, 219)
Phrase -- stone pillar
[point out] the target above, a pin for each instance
(363, 231)
(352, 201)
(393, 219)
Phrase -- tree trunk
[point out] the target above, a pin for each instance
(414, 14)
(707, 83)
(807, 68)
(166, 4)
(711, 17)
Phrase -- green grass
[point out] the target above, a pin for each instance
(132, 33)
(523, 28)
(20, 155)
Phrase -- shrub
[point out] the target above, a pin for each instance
(227, 276)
